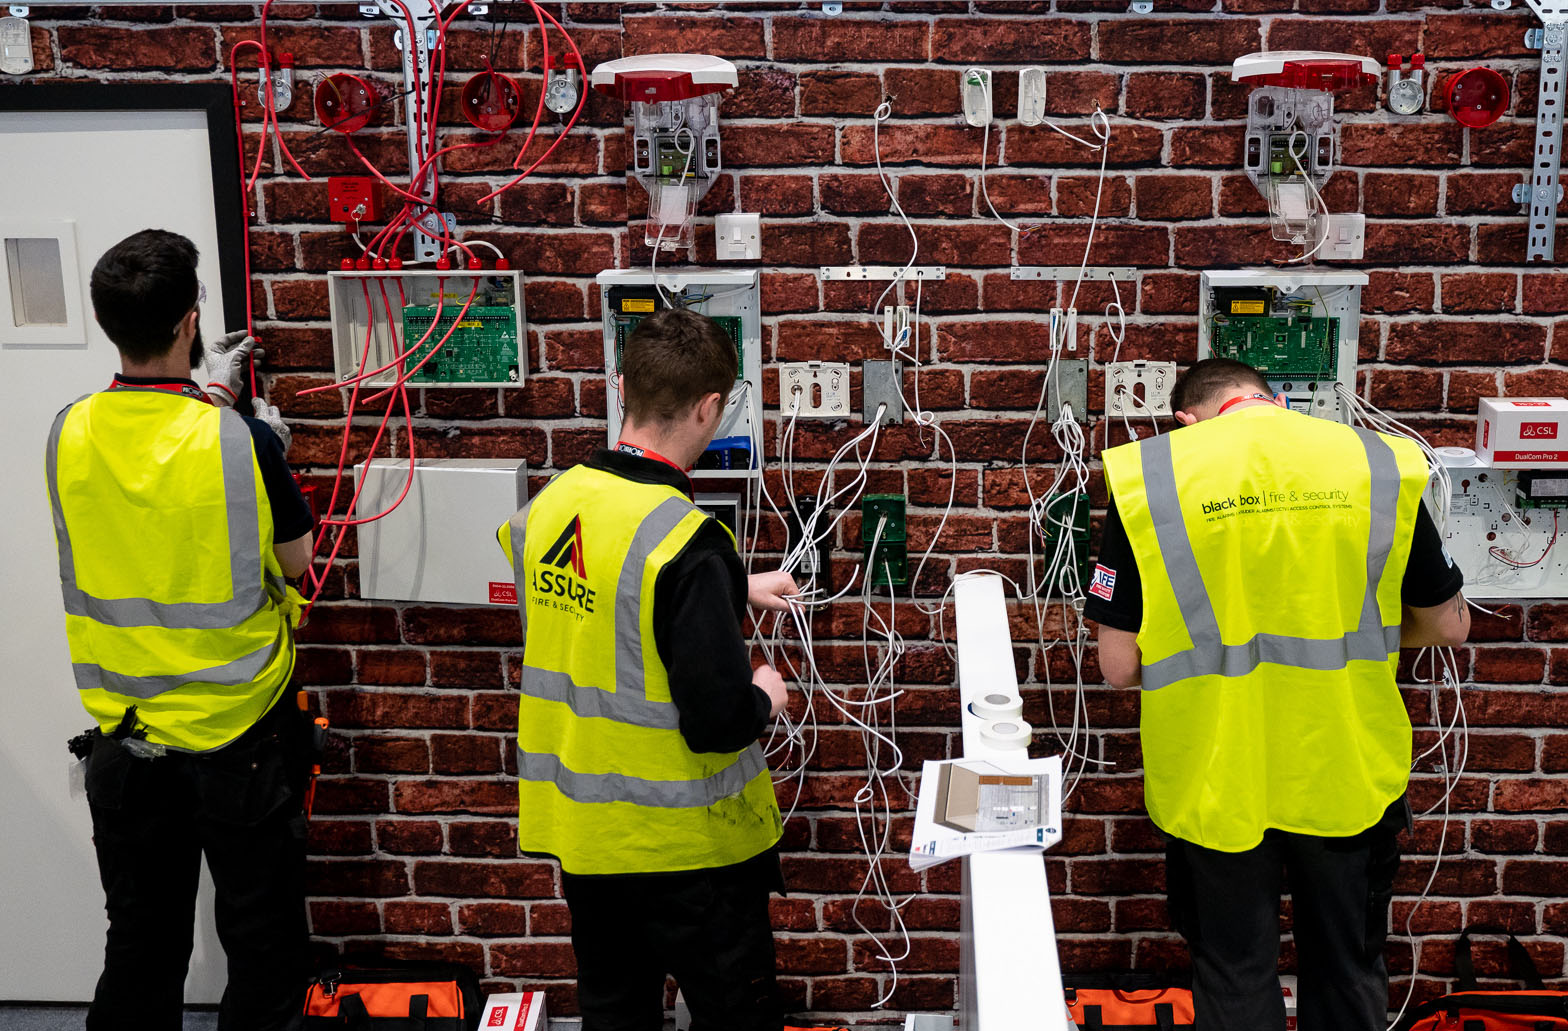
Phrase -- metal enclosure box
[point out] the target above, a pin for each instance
(1319, 294)
(440, 543)
(492, 340)
(731, 295)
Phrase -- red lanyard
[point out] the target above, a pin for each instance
(643, 452)
(1238, 400)
(172, 386)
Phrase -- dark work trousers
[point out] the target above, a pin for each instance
(708, 929)
(153, 820)
(1226, 904)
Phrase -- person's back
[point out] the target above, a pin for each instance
(1259, 571)
(1270, 640)
(176, 521)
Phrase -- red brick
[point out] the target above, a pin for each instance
(141, 49)
(848, 39)
(1166, 95)
(965, 40)
(1479, 292)
(1214, 40)
(729, 37)
(833, 92)
(500, 880)
(1170, 197)
(1477, 35)
(1466, 342)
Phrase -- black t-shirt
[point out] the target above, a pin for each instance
(1431, 577)
(292, 517)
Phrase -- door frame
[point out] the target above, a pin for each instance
(216, 102)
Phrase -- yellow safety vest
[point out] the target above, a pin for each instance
(606, 783)
(1271, 547)
(163, 609)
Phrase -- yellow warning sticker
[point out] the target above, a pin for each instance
(471, 324)
(1247, 308)
(634, 304)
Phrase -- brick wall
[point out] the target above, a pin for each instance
(413, 837)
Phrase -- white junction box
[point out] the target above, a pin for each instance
(731, 298)
(737, 236)
(1139, 388)
(378, 317)
(1522, 432)
(440, 543)
(515, 1011)
(814, 390)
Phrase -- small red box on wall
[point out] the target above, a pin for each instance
(353, 199)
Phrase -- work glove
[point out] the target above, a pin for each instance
(269, 415)
(223, 367)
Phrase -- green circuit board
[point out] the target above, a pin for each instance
(626, 324)
(1279, 346)
(483, 348)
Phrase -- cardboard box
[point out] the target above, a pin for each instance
(1522, 432)
(515, 1011)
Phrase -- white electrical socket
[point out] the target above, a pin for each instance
(1031, 95)
(974, 85)
(822, 389)
(1343, 235)
(737, 237)
(1129, 383)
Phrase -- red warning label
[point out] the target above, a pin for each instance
(502, 593)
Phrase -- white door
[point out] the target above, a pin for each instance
(90, 178)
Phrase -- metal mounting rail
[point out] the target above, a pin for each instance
(1057, 273)
(881, 272)
(1542, 190)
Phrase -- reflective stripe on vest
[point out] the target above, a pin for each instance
(245, 570)
(661, 794)
(1209, 654)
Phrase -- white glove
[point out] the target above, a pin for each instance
(223, 367)
(269, 415)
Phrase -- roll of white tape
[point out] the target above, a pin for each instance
(997, 705)
(1007, 733)
(1457, 457)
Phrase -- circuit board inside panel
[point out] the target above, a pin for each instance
(1280, 346)
(483, 348)
(626, 324)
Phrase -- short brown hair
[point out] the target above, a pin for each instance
(672, 360)
(1207, 379)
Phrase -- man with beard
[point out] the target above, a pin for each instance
(177, 521)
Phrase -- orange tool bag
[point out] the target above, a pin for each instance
(1537, 1008)
(1136, 1002)
(422, 997)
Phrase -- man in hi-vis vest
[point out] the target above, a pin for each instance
(177, 520)
(637, 756)
(1259, 572)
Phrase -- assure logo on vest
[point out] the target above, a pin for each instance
(561, 590)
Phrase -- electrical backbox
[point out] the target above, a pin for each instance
(379, 317)
(883, 538)
(1300, 329)
(1067, 512)
(731, 299)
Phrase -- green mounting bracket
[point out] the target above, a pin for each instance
(890, 564)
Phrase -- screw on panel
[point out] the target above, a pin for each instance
(832, 7)
(1143, 7)
(1502, 5)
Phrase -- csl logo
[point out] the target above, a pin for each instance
(1538, 431)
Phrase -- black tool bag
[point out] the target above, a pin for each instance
(1537, 1008)
(415, 997)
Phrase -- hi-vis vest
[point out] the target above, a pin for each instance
(163, 610)
(1271, 547)
(606, 783)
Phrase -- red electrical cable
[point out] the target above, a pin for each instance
(1502, 556)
